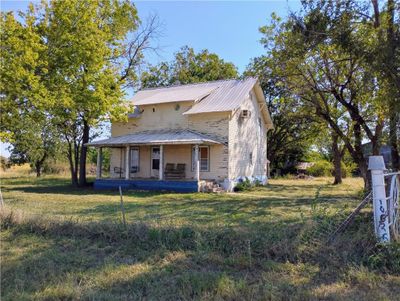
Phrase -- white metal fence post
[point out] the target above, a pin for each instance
(377, 166)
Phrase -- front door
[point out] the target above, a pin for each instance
(134, 156)
(155, 161)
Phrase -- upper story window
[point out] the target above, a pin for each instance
(245, 113)
(251, 158)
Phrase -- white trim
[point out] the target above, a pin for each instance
(127, 171)
(161, 164)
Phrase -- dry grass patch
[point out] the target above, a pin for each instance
(61, 243)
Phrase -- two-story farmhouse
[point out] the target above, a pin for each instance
(188, 137)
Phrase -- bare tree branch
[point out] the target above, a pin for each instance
(143, 41)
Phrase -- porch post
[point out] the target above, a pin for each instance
(376, 165)
(99, 163)
(127, 162)
(197, 162)
(161, 169)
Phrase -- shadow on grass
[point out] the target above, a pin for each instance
(105, 261)
(99, 260)
(62, 188)
(190, 207)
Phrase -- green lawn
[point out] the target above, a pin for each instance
(61, 243)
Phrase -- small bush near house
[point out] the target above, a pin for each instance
(258, 183)
(243, 186)
(321, 168)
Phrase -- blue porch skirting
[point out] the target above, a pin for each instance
(151, 185)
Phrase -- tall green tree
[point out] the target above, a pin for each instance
(295, 129)
(23, 67)
(81, 38)
(36, 142)
(24, 96)
(188, 67)
(371, 33)
(71, 60)
(314, 66)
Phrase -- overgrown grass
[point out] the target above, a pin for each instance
(60, 243)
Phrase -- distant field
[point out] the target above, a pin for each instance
(62, 243)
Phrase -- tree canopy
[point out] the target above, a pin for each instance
(311, 57)
(188, 67)
(66, 59)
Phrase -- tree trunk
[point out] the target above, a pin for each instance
(39, 165)
(38, 169)
(337, 159)
(358, 156)
(393, 77)
(83, 155)
(73, 170)
(393, 129)
(363, 167)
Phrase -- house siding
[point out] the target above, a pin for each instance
(245, 137)
(215, 125)
(165, 116)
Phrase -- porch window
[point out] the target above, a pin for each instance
(204, 157)
(134, 156)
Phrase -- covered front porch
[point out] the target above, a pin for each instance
(177, 160)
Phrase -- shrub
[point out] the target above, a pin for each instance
(258, 183)
(386, 256)
(321, 168)
(4, 163)
(53, 167)
(348, 169)
(242, 186)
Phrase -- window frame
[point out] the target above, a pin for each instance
(208, 157)
(151, 158)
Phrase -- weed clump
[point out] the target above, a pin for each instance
(244, 185)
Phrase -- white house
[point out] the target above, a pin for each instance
(186, 137)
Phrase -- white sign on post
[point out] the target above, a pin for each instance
(377, 166)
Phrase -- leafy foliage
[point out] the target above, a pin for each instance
(67, 63)
(321, 168)
(295, 129)
(243, 185)
(313, 63)
(188, 67)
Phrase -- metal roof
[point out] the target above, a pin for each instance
(222, 95)
(193, 92)
(216, 96)
(157, 137)
(227, 97)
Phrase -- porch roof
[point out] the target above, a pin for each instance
(157, 137)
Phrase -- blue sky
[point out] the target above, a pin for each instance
(228, 28)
